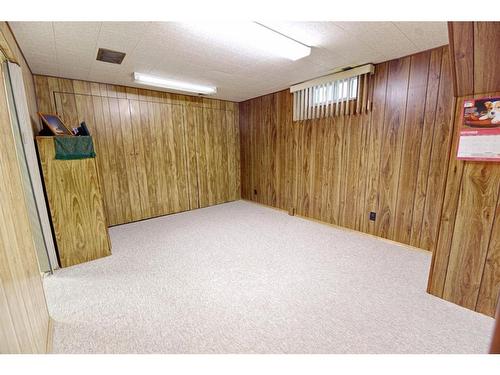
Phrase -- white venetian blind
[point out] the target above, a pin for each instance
(343, 93)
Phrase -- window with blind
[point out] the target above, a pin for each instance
(337, 94)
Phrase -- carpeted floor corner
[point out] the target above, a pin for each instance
(243, 278)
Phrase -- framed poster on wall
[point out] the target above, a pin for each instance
(480, 130)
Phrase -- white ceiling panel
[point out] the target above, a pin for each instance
(425, 34)
(76, 36)
(122, 36)
(382, 37)
(38, 45)
(208, 52)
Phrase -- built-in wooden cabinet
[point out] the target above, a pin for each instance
(157, 153)
(76, 206)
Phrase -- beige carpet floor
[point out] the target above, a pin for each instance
(243, 278)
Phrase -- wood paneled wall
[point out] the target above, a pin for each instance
(475, 53)
(466, 264)
(24, 319)
(338, 170)
(398, 161)
(158, 153)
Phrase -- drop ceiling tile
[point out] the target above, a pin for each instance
(76, 73)
(425, 35)
(382, 37)
(33, 34)
(76, 36)
(44, 68)
(41, 56)
(37, 41)
(122, 36)
(313, 34)
(330, 43)
(126, 29)
(143, 66)
(104, 68)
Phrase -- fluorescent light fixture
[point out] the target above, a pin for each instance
(248, 38)
(146, 79)
(278, 43)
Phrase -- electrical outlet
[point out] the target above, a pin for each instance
(373, 216)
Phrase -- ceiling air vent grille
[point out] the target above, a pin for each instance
(107, 55)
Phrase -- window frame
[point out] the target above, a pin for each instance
(352, 93)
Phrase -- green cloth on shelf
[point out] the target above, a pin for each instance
(71, 148)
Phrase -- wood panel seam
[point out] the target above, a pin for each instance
(432, 148)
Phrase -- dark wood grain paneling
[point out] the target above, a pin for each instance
(461, 35)
(486, 56)
(392, 140)
(464, 267)
(399, 160)
(440, 257)
(475, 54)
(471, 235)
(490, 282)
(341, 168)
(412, 139)
(441, 143)
(424, 154)
(375, 145)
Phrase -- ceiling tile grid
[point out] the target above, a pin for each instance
(209, 53)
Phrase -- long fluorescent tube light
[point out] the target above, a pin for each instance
(278, 43)
(249, 38)
(173, 84)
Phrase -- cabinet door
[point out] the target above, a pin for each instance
(104, 142)
(216, 135)
(157, 158)
(174, 117)
(144, 156)
(123, 123)
(161, 157)
(172, 158)
(109, 122)
(192, 118)
(152, 135)
(77, 108)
